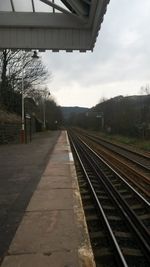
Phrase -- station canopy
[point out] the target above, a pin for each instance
(51, 24)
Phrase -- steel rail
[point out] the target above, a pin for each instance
(125, 209)
(131, 174)
(140, 229)
(102, 142)
(120, 177)
(118, 253)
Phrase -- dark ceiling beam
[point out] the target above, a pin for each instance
(78, 6)
(33, 6)
(52, 4)
(12, 5)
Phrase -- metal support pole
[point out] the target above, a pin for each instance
(44, 115)
(45, 98)
(22, 112)
(102, 122)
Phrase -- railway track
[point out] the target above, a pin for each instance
(132, 165)
(118, 217)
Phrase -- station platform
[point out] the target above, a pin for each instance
(53, 231)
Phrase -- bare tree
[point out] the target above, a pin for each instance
(102, 99)
(15, 65)
(145, 89)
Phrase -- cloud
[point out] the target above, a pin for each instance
(119, 64)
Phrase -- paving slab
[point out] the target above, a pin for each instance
(52, 168)
(42, 232)
(53, 231)
(51, 199)
(63, 259)
(55, 182)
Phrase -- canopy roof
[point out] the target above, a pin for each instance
(50, 24)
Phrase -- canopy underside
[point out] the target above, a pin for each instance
(50, 24)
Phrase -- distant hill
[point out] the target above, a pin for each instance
(67, 111)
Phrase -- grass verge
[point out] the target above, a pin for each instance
(134, 142)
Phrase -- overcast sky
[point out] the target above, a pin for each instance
(119, 64)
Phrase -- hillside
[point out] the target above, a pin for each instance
(68, 111)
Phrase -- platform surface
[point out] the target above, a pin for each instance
(53, 231)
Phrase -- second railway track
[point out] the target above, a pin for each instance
(134, 171)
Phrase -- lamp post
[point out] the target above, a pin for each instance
(44, 109)
(34, 56)
(22, 109)
(44, 116)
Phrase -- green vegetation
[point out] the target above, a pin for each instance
(118, 116)
(125, 120)
(133, 142)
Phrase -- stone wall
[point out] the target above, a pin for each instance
(9, 133)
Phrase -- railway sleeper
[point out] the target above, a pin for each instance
(89, 208)
(108, 207)
(144, 216)
(129, 196)
(84, 191)
(92, 217)
(82, 183)
(131, 252)
(86, 197)
(122, 234)
(104, 197)
(97, 234)
(117, 185)
(114, 218)
(102, 252)
(136, 207)
(100, 192)
(100, 242)
(122, 191)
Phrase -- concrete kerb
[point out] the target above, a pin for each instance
(85, 251)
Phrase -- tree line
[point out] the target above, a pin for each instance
(129, 116)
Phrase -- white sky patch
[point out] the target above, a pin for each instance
(119, 65)
(129, 38)
(88, 97)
